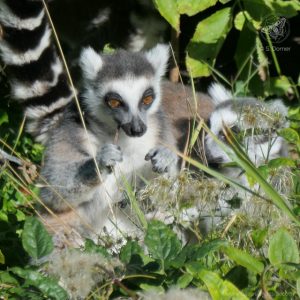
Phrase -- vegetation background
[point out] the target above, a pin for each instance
(232, 41)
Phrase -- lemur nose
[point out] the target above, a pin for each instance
(135, 128)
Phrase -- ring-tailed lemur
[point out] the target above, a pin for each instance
(255, 125)
(254, 122)
(121, 94)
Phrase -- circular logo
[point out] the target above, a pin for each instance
(278, 28)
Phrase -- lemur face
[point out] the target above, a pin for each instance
(124, 88)
(254, 123)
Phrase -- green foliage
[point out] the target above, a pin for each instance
(283, 249)
(244, 259)
(47, 286)
(251, 19)
(36, 240)
(162, 243)
(241, 264)
(218, 288)
(205, 46)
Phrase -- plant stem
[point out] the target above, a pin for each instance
(273, 55)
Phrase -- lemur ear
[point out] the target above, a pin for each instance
(90, 62)
(158, 57)
(219, 93)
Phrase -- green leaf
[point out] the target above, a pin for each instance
(259, 236)
(5, 277)
(131, 248)
(239, 20)
(192, 7)
(184, 280)
(217, 287)
(287, 8)
(152, 288)
(91, 247)
(2, 258)
(258, 9)
(244, 259)
(48, 286)
(162, 242)
(3, 117)
(197, 252)
(35, 238)
(168, 9)
(244, 17)
(281, 162)
(280, 85)
(207, 41)
(298, 286)
(283, 248)
(290, 135)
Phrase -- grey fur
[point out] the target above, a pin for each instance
(122, 63)
(261, 119)
(162, 159)
(69, 175)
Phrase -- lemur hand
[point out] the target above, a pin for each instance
(109, 155)
(162, 159)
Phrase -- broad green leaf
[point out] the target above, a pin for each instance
(283, 248)
(6, 277)
(224, 1)
(48, 286)
(298, 286)
(162, 242)
(35, 239)
(244, 17)
(291, 135)
(239, 20)
(258, 9)
(131, 248)
(207, 41)
(244, 259)
(168, 9)
(218, 288)
(2, 258)
(184, 280)
(192, 7)
(152, 288)
(281, 162)
(280, 86)
(286, 8)
(197, 252)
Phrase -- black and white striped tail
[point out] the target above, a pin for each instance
(38, 81)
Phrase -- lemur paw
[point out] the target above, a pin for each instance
(162, 159)
(109, 155)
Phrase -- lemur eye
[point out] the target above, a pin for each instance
(148, 100)
(114, 103)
